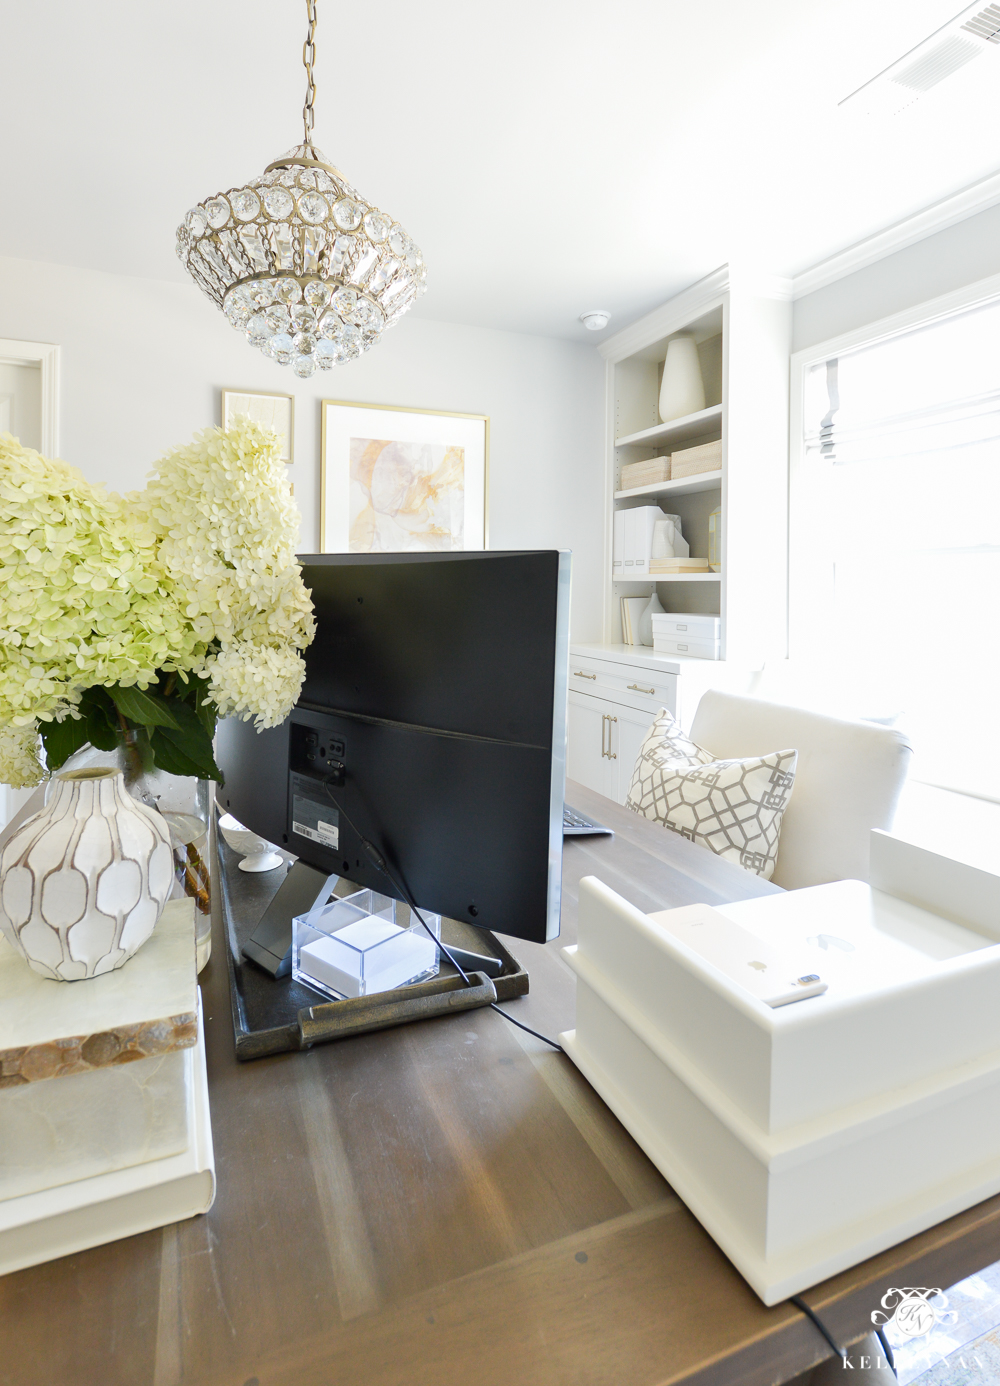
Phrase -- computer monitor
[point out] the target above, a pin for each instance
(432, 721)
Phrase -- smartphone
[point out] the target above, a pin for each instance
(768, 973)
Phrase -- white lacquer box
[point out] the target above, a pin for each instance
(808, 1137)
(104, 1120)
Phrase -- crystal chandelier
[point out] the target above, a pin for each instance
(297, 259)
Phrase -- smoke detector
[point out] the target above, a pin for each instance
(973, 32)
(596, 320)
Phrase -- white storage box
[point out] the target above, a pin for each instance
(684, 625)
(685, 645)
(809, 1137)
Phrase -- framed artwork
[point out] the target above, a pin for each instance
(270, 411)
(401, 480)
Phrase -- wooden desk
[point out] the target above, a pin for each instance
(445, 1203)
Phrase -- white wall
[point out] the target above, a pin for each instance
(948, 260)
(143, 363)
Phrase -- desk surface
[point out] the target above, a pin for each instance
(447, 1202)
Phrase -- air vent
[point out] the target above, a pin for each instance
(986, 24)
(937, 64)
(969, 35)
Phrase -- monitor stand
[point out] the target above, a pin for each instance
(270, 944)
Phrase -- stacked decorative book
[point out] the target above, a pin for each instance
(103, 1099)
(687, 633)
(807, 1136)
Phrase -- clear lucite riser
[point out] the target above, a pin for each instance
(363, 944)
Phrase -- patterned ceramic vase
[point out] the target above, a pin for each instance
(83, 882)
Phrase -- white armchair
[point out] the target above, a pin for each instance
(848, 780)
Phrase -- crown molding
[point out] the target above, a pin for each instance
(977, 197)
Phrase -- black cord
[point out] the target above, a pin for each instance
(380, 863)
(800, 1303)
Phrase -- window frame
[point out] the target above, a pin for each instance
(807, 589)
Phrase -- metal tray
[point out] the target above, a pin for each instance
(271, 1017)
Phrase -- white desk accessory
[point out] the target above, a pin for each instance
(809, 1137)
(258, 854)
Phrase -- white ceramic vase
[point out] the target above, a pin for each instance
(651, 609)
(682, 390)
(83, 882)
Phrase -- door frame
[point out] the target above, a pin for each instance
(46, 355)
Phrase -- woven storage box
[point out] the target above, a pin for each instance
(706, 457)
(646, 473)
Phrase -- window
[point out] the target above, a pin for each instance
(895, 540)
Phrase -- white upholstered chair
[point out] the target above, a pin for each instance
(847, 781)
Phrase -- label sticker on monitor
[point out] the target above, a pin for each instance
(313, 816)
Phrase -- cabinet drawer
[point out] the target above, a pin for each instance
(644, 689)
(690, 646)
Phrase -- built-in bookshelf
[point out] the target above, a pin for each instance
(743, 333)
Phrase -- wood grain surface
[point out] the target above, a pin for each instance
(443, 1203)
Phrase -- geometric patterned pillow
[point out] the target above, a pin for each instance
(732, 807)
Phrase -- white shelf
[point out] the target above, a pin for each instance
(677, 430)
(683, 486)
(673, 577)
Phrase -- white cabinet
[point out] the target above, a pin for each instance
(615, 692)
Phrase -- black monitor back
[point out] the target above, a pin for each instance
(438, 683)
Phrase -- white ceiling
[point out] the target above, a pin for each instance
(548, 156)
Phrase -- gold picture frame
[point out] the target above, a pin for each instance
(348, 424)
(265, 412)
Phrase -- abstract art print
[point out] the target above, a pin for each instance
(401, 480)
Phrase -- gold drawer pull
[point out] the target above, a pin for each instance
(579, 674)
(639, 689)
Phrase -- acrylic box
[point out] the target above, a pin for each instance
(363, 944)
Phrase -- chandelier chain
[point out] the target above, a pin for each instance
(308, 59)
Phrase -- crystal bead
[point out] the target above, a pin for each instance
(397, 286)
(211, 252)
(245, 204)
(369, 315)
(369, 339)
(317, 294)
(237, 313)
(257, 329)
(306, 178)
(381, 276)
(344, 301)
(196, 222)
(287, 291)
(313, 240)
(276, 318)
(266, 179)
(254, 247)
(281, 348)
(182, 250)
(324, 182)
(326, 354)
(413, 256)
(347, 214)
(360, 270)
(376, 227)
(305, 366)
(281, 240)
(217, 211)
(303, 318)
(349, 338)
(287, 176)
(330, 325)
(340, 253)
(278, 203)
(313, 207)
(261, 292)
(397, 241)
(267, 349)
(304, 342)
